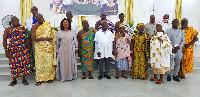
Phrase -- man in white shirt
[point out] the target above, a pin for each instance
(32, 20)
(165, 23)
(103, 49)
(74, 26)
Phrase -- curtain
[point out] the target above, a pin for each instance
(128, 10)
(144, 8)
(162, 7)
(141, 11)
(178, 10)
(25, 9)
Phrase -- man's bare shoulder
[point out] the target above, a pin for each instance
(8, 29)
(118, 22)
(99, 21)
(35, 27)
(81, 32)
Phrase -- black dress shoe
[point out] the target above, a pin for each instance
(107, 76)
(168, 78)
(176, 79)
(100, 77)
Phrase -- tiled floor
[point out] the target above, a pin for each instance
(189, 87)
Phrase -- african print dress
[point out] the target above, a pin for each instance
(87, 50)
(140, 61)
(187, 62)
(19, 54)
(123, 58)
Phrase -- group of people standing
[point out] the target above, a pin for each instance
(39, 48)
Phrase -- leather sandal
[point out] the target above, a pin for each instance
(124, 76)
(13, 83)
(25, 82)
(153, 79)
(90, 77)
(117, 76)
(84, 77)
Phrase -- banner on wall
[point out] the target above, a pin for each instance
(84, 7)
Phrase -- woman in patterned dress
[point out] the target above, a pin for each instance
(140, 53)
(122, 51)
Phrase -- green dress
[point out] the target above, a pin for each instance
(87, 50)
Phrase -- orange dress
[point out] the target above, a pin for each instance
(187, 62)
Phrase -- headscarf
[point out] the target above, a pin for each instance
(140, 24)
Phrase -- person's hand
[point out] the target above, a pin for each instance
(99, 54)
(56, 54)
(127, 40)
(132, 55)
(79, 53)
(76, 51)
(114, 53)
(7, 53)
(27, 43)
(187, 45)
(174, 51)
(160, 39)
(177, 48)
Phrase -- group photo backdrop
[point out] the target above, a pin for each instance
(84, 7)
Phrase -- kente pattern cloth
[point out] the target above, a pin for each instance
(45, 57)
(31, 55)
(87, 50)
(187, 62)
(160, 53)
(66, 44)
(123, 50)
(140, 61)
(111, 26)
(19, 54)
